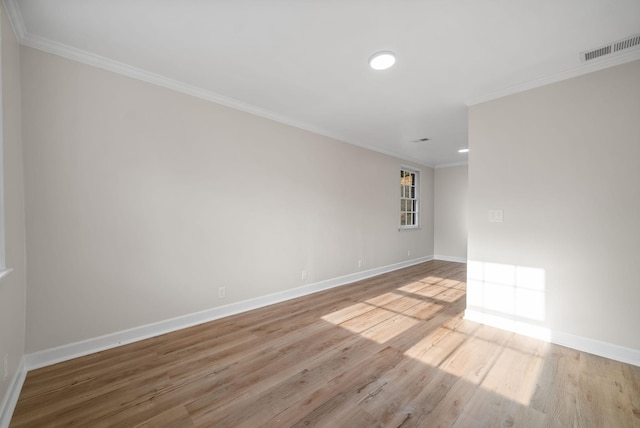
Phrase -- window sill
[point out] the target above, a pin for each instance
(5, 272)
(401, 229)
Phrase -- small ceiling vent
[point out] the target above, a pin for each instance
(631, 42)
(627, 43)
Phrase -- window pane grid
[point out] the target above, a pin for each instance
(408, 198)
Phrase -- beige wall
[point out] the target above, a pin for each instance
(450, 212)
(142, 201)
(562, 161)
(13, 286)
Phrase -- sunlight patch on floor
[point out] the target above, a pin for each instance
(344, 314)
(499, 362)
(385, 331)
(388, 315)
(372, 322)
(450, 295)
(432, 279)
(514, 375)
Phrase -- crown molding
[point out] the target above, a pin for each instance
(104, 63)
(580, 70)
(15, 18)
(451, 165)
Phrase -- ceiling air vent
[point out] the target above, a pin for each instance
(612, 48)
(627, 43)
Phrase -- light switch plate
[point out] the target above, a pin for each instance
(496, 216)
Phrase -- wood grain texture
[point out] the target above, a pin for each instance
(389, 351)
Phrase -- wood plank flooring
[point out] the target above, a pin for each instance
(390, 351)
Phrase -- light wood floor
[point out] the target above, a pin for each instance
(391, 351)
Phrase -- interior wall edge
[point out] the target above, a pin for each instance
(10, 400)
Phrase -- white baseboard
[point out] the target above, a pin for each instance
(596, 347)
(78, 349)
(450, 258)
(10, 399)
(580, 343)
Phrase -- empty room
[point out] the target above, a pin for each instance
(408, 213)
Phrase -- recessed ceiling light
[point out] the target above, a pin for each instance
(463, 151)
(382, 60)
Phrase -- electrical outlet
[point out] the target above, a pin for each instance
(360, 263)
(222, 292)
(408, 253)
(5, 363)
(304, 275)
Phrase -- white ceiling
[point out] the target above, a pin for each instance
(304, 62)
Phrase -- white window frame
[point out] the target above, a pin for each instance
(409, 198)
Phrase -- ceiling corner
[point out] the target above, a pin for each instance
(557, 77)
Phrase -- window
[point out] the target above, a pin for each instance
(409, 200)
